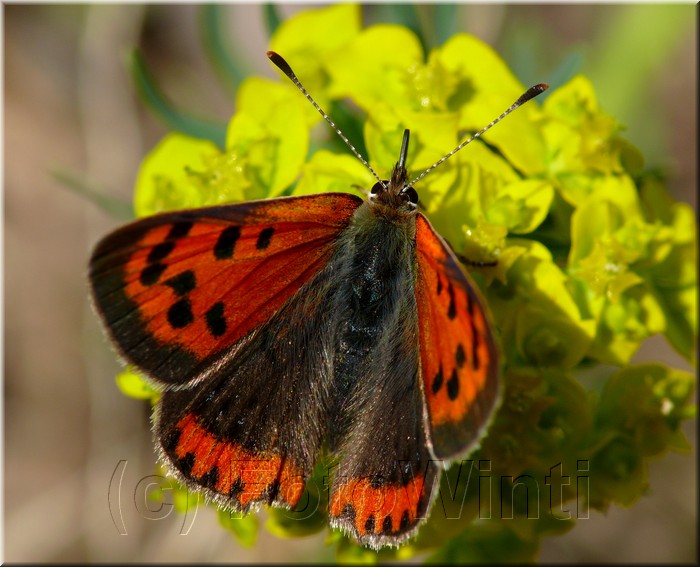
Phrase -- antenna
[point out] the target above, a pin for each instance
(278, 60)
(530, 93)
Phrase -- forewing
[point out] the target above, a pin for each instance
(177, 289)
(458, 354)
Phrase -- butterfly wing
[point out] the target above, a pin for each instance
(202, 301)
(383, 484)
(177, 289)
(251, 432)
(458, 354)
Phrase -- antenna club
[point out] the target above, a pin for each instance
(279, 61)
(531, 93)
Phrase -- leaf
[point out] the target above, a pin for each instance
(243, 527)
(164, 109)
(115, 207)
(214, 38)
(489, 542)
(272, 18)
(445, 18)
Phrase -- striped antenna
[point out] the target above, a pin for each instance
(530, 93)
(278, 60)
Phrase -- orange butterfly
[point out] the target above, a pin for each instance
(281, 328)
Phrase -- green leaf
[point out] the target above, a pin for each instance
(214, 38)
(549, 338)
(272, 18)
(243, 527)
(113, 206)
(186, 500)
(164, 109)
(647, 404)
(489, 542)
(430, 135)
(348, 552)
(446, 19)
(305, 519)
(640, 410)
(581, 140)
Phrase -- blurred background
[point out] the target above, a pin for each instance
(70, 107)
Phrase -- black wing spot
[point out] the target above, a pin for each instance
(151, 274)
(160, 252)
(404, 521)
(179, 230)
(186, 463)
(182, 283)
(348, 512)
(272, 490)
(264, 238)
(460, 357)
(387, 526)
(452, 309)
(439, 286)
(216, 322)
(210, 478)
(226, 243)
(180, 314)
(369, 524)
(437, 381)
(470, 306)
(453, 386)
(236, 488)
(476, 363)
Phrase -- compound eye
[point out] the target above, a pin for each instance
(376, 189)
(411, 195)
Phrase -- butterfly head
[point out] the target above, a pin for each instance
(395, 193)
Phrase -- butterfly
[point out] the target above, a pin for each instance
(281, 330)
